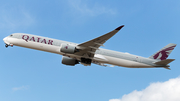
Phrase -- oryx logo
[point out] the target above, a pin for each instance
(163, 54)
(66, 47)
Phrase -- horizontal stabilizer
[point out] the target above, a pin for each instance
(167, 68)
(164, 62)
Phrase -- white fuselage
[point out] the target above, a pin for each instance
(102, 56)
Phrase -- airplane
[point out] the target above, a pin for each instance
(90, 52)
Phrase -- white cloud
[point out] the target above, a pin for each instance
(20, 88)
(159, 91)
(82, 8)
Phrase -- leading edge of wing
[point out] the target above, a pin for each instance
(89, 47)
(101, 39)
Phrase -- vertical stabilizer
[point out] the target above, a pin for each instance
(164, 52)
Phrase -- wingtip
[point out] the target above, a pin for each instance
(119, 27)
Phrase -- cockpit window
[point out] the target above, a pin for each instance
(11, 35)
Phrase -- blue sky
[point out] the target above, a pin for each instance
(31, 75)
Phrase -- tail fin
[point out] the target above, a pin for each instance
(164, 52)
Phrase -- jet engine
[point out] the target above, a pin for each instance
(69, 61)
(66, 48)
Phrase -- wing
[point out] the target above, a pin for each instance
(88, 49)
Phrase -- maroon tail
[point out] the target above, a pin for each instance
(164, 52)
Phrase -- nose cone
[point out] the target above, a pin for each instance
(6, 40)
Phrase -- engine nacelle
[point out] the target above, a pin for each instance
(69, 61)
(66, 48)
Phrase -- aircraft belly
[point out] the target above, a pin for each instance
(100, 58)
(126, 63)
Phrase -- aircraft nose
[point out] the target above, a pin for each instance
(6, 40)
